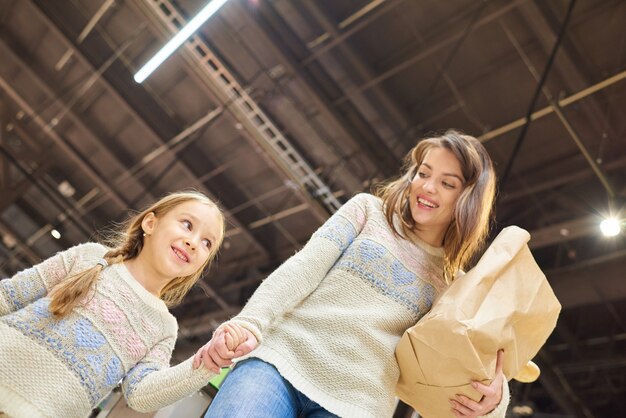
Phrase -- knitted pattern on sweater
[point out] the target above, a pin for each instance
(65, 367)
(330, 317)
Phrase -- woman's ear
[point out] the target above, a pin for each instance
(148, 223)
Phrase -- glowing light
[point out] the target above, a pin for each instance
(55, 234)
(610, 227)
(167, 50)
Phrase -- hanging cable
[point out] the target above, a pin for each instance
(533, 102)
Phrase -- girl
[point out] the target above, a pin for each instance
(328, 320)
(75, 325)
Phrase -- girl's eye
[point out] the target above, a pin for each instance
(206, 243)
(187, 224)
(448, 185)
(421, 174)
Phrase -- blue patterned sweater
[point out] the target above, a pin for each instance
(63, 367)
(331, 316)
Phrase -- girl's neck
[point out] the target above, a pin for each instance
(144, 275)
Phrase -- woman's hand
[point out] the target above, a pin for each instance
(463, 406)
(217, 353)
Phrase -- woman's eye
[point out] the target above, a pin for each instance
(206, 243)
(421, 174)
(448, 185)
(188, 225)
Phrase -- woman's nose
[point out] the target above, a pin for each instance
(429, 185)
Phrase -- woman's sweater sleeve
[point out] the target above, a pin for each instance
(297, 277)
(152, 384)
(31, 284)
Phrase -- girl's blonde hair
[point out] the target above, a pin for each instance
(469, 228)
(126, 244)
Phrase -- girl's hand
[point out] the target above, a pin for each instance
(202, 356)
(463, 406)
(229, 341)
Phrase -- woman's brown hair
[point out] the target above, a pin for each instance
(126, 244)
(469, 228)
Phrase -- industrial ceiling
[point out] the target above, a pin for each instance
(282, 110)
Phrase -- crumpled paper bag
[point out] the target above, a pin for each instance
(503, 302)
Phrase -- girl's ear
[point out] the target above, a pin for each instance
(148, 223)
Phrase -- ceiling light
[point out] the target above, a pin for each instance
(55, 233)
(187, 30)
(610, 227)
(66, 189)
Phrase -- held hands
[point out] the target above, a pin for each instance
(229, 341)
(463, 406)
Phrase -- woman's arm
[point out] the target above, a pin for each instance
(300, 275)
(293, 281)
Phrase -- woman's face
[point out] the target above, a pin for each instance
(434, 192)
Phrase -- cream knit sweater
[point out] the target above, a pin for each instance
(330, 317)
(63, 368)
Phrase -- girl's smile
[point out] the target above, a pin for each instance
(177, 244)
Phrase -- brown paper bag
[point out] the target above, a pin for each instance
(503, 302)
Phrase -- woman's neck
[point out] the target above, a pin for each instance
(430, 237)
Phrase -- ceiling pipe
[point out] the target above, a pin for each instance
(433, 48)
(557, 109)
(54, 29)
(61, 143)
(488, 136)
(386, 7)
(385, 103)
(276, 148)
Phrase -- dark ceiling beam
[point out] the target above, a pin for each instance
(568, 67)
(560, 181)
(361, 23)
(275, 217)
(588, 342)
(48, 130)
(275, 148)
(599, 171)
(552, 234)
(399, 119)
(32, 162)
(594, 281)
(13, 187)
(31, 256)
(433, 48)
(443, 73)
(349, 123)
(557, 386)
(130, 110)
(548, 110)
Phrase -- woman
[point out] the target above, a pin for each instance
(328, 320)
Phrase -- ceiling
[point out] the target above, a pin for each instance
(281, 110)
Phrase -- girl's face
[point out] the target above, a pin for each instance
(179, 242)
(434, 192)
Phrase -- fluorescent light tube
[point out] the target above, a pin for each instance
(178, 39)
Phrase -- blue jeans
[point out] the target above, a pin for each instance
(255, 389)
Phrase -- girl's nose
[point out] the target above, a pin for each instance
(189, 243)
